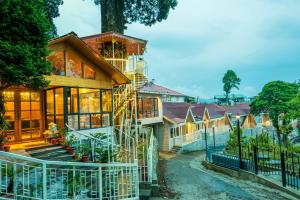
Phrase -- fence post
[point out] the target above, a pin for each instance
(44, 181)
(283, 171)
(255, 159)
(100, 182)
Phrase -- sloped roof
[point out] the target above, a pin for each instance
(239, 109)
(133, 45)
(157, 89)
(214, 111)
(198, 110)
(88, 52)
(175, 111)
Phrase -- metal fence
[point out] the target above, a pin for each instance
(29, 178)
(261, 154)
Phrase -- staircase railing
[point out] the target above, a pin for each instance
(23, 177)
(106, 143)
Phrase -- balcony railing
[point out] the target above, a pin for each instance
(23, 177)
(131, 65)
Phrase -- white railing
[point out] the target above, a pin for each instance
(191, 137)
(133, 64)
(29, 178)
(150, 157)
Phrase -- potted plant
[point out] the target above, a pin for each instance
(85, 151)
(3, 140)
(64, 134)
(70, 144)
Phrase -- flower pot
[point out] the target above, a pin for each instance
(70, 150)
(76, 156)
(85, 158)
(6, 148)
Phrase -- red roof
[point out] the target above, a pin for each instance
(157, 89)
(214, 110)
(198, 110)
(239, 109)
(175, 111)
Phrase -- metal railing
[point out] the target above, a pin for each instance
(23, 177)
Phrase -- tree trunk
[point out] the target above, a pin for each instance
(112, 16)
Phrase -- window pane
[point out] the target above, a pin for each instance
(105, 120)
(25, 115)
(25, 100)
(73, 121)
(35, 114)
(74, 68)
(73, 101)
(89, 73)
(59, 121)
(84, 121)
(89, 100)
(35, 123)
(35, 96)
(59, 101)
(50, 119)
(106, 101)
(96, 121)
(8, 96)
(25, 124)
(58, 62)
(50, 101)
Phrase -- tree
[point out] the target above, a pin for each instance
(230, 81)
(52, 11)
(274, 99)
(294, 110)
(115, 14)
(24, 34)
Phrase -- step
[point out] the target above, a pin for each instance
(145, 194)
(55, 154)
(42, 147)
(63, 158)
(38, 152)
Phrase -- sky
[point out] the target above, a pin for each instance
(202, 39)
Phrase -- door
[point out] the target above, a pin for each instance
(23, 115)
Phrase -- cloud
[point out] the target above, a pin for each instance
(201, 39)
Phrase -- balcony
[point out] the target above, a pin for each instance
(130, 66)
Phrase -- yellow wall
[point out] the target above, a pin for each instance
(102, 79)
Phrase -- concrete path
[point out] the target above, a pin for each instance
(187, 179)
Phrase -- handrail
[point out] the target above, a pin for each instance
(50, 162)
(89, 136)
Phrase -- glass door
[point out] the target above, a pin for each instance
(30, 115)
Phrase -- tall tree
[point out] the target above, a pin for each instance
(52, 11)
(230, 81)
(115, 14)
(24, 34)
(274, 99)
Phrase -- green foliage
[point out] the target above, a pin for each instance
(274, 99)
(230, 81)
(103, 155)
(52, 11)
(115, 14)
(24, 34)
(232, 143)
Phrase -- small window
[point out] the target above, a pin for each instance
(88, 72)
(74, 68)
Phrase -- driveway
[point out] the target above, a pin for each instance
(183, 177)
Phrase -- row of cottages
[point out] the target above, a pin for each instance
(185, 123)
(79, 94)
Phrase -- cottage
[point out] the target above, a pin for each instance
(79, 93)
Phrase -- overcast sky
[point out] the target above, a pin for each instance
(201, 39)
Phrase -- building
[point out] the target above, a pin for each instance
(184, 125)
(233, 99)
(247, 120)
(79, 93)
(167, 94)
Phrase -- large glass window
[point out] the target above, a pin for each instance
(57, 59)
(89, 100)
(106, 101)
(83, 105)
(148, 107)
(74, 66)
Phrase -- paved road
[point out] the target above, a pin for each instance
(188, 179)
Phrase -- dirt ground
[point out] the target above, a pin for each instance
(183, 177)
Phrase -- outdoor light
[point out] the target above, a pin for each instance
(268, 123)
(238, 117)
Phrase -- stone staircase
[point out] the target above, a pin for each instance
(50, 152)
(175, 149)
